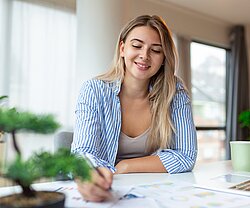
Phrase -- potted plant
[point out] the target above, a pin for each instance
(240, 150)
(39, 165)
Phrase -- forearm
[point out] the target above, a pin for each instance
(148, 164)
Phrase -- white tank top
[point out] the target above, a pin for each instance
(131, 147)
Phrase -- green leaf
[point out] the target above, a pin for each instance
(46, 164)
(12, 120)
(3, 97)
(244, 118)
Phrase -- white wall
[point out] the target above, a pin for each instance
(183, 22)
(98, 27)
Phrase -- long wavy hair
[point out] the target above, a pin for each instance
(162, 84)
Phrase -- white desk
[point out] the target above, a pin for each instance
(200, 173)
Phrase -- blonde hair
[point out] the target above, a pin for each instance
(163, 83)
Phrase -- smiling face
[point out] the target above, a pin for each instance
(142, 52)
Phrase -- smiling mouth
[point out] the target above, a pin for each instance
(142, 66)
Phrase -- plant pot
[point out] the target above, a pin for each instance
(43, 199)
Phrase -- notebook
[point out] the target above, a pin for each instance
(231, 183)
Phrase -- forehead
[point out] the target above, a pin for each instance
(144, 33)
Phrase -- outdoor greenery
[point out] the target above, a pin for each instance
(244, 119)
(41, 164)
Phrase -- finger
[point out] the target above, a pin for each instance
(107, 174)
(92, 192)
(103, 178)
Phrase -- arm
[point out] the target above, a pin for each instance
(87, 132)
(182, 156)
(86, 142)
(150, 164)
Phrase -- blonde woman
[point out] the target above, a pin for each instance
(136, 117)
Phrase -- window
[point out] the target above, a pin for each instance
(42, 59)
(40, 68)
(208, 69)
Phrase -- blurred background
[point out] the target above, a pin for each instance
(48, 48)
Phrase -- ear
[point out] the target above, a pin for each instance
(122, 49)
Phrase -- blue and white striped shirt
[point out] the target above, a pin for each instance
(98, 126)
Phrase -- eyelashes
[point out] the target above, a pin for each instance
(139, 47)
(136, 46)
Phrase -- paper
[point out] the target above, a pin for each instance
(164, 194)
(168, 194)
(75, 200)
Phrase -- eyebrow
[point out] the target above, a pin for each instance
(154, 44)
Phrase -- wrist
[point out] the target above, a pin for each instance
(122, 167)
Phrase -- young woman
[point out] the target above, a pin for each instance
(136, 117)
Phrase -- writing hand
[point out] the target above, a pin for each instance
(97, 189)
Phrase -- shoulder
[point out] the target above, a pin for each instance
(99, 89)
(181, 94)
(97, 85)
(180, 85)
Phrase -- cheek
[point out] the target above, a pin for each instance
(159, 61)
(129, 54)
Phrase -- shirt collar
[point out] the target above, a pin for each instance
(116, 85)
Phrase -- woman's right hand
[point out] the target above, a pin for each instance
(98, 188)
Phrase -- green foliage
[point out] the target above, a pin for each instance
(12, 120)
(24, 173)
(46, 164)
(244, 119)
(42, 164)
(3, 97)
(61, 162)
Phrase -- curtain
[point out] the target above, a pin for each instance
(42, 59)
(237, 85)
(4, 29)
(40, 72)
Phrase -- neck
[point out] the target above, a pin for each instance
(134, 89)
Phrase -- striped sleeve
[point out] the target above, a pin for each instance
(182, 156)
(88, 128)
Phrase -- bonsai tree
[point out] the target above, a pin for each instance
(41, 164)
(244, 119)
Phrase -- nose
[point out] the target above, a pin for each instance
(144, 55)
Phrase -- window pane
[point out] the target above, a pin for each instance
(208, 65)
(208, 80)
(211, 145)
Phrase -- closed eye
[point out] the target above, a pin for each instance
(156, 51)
(136, 46)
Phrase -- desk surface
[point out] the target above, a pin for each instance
(200, 173)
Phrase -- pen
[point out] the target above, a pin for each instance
(94, 167)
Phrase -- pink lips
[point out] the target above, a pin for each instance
(142, 66)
